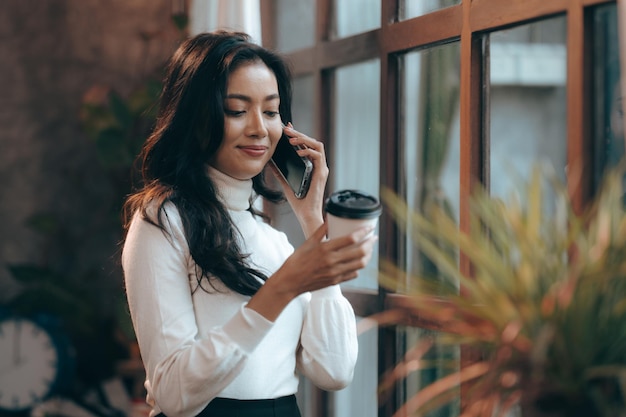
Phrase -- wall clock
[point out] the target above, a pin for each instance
(36, 362)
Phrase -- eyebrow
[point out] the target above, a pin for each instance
(247, 98)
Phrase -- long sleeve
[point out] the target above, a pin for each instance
(200, 341)
(329, 346)
(184, 371)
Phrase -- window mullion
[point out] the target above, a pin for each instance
(579, 147)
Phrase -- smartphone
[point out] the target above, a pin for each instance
(295, 169)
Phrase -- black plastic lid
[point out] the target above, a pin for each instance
(353, 204)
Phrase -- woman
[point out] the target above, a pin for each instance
(225, 311)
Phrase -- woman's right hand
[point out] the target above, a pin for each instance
(318, 263)
(308, 210)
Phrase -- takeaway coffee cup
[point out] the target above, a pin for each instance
(349, 210)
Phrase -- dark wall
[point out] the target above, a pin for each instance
(51, 53)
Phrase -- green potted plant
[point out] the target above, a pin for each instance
(542, 312)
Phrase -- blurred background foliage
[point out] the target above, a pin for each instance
(54, 284)
(541, 315)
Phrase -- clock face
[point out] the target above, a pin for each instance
(28, 364)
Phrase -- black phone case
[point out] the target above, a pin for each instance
(295, 169)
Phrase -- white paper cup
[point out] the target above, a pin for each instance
(349, 210)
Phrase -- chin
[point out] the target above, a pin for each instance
(248, 175)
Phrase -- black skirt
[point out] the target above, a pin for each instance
(226, 407)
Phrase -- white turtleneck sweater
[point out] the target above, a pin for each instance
(198, 345)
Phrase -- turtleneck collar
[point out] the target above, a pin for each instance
(234, 193)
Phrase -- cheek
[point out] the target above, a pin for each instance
(230, 126)
(275, 134)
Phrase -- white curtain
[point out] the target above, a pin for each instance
(241, 15)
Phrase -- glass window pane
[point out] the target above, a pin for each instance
(295, 21)
(412, 8)
(354, 157)
(360, 397)
(430, 147)
(356, 16)
(527, 103)
(440, 360)
(302, 103)
(608, 110)
(429, 165)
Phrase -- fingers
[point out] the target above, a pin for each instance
(299, 138)
(349, 240)
(343, 249)
(310, 148)
(328, 262)
(320, 233)
(351, 258)
(358, 254)
(351, 261)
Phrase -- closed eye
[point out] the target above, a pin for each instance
(234, 113)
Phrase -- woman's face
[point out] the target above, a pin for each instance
(252, 124)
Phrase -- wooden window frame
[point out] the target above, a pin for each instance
(465, 23)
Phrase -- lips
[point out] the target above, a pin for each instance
(254, 150)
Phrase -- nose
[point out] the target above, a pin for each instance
(256, 125)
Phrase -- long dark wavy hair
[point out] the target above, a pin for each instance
(188, 131)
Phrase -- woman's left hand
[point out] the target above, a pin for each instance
(308, 210)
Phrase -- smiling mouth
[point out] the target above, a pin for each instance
(254, 150)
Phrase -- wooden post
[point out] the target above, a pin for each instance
(621, 33)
